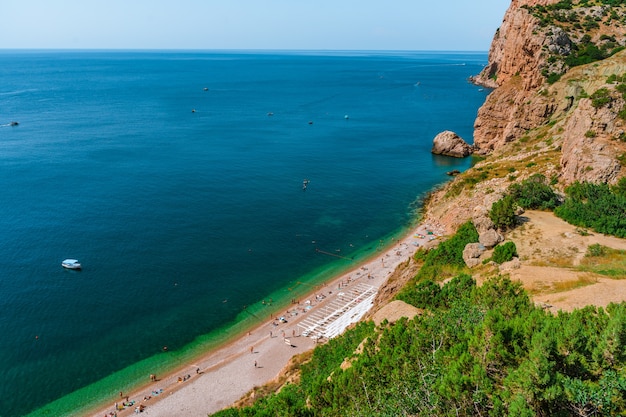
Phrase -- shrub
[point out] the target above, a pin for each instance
(596, 206)
(502, 213)
(427, 294)
(620, 188)
(596, 250)
(504, 253)
(601, 98)
(534, 193)
(445, 260)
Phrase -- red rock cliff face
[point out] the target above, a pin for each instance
(514, 70)
(516, 48)
(522, 100)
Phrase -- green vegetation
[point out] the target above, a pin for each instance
(596, 206)
(502, 213)
(586, 52)
(605, 261)
(441, 262)
(601, 98)
(479, 351)
(534, 193)
(468, 180)
(579, 20)
(504, 253)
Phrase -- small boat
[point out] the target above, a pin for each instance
(14, 123)
(71, 264)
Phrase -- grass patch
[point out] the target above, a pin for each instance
(582, 281)
(604, 261)
(543, 287)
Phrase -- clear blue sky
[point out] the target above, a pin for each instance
(251, 24)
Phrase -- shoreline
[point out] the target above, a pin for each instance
(221, 376)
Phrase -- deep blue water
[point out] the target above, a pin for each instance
(172, 212)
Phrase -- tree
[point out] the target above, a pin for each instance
(502, 213)
(534, 193)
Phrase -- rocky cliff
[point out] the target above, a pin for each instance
(541, 88)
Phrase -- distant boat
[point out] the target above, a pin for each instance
(71, 264)
(14, 123)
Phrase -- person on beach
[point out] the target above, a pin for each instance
(255, 364)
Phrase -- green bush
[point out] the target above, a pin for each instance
(504, 253)
(427, 295)
(534, 193)
(596, 206)
(446, 258)
(502, 213)
(450, 252)
(596, 250)
(601, 97)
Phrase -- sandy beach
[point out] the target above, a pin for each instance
(221, 377)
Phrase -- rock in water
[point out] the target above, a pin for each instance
(450, 144)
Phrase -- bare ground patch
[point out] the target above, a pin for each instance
(550, 251)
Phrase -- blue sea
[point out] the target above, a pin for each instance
(175, 178)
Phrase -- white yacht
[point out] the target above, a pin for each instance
(71, 264)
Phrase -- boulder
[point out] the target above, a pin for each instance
(481, 220)
(490, 238)
(510, 265)
(450, 144)
(471, 254)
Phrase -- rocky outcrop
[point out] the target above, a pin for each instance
(589, 153)
(507, 115)
(516, 59)
(488, 236)
(510, 265)
(472, 253)
(516, 48)
(450, 144)
(524, 101)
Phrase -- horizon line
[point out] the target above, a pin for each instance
(257, 50)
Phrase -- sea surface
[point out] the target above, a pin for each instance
(176, 179)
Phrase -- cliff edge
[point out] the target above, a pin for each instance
(546, 62)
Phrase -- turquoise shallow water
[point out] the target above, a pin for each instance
(181, 218)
